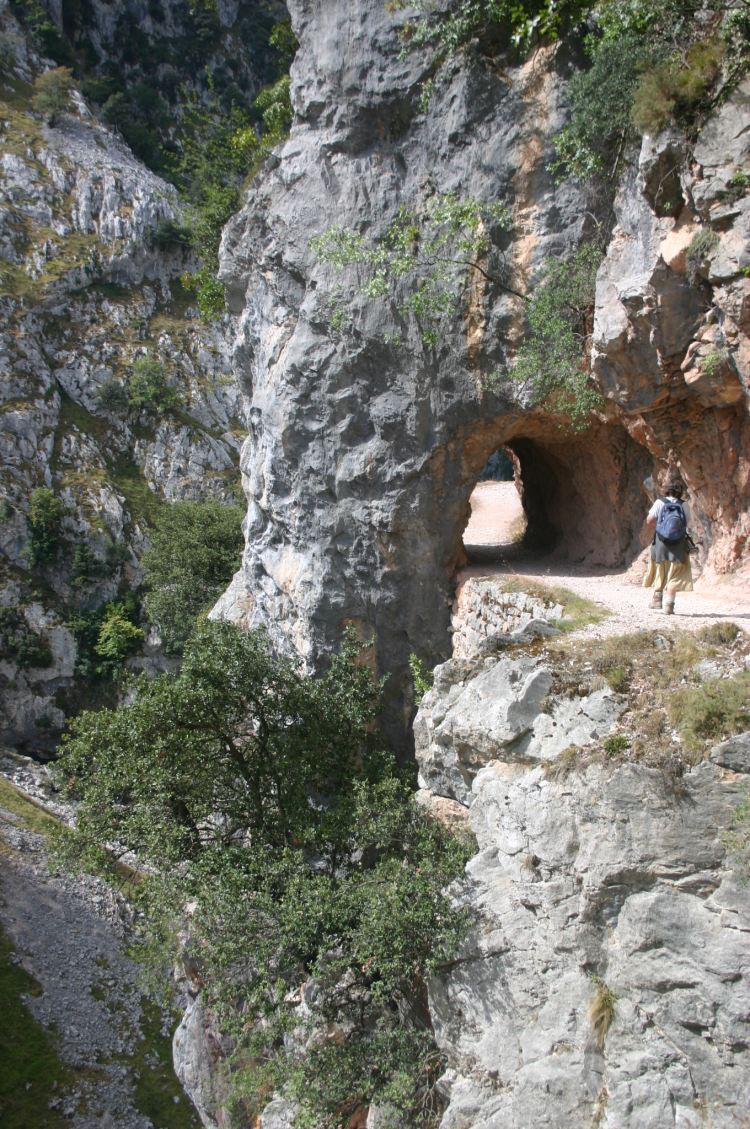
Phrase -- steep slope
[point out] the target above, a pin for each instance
(88, 291)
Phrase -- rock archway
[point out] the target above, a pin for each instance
(582, 494)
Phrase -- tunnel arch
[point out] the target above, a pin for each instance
(582, 493)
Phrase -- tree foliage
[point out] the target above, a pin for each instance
(195, 549)
(52, 91)
(260, 796)
(421, 261)
(517, 23)
(105, 636)
(46, 513)
(218, 150)
(650, 64)
(147, 386)
(145, 389)
(19, 644)
(552, 363)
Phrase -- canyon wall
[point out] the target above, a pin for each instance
(86, 288)
(362, 453)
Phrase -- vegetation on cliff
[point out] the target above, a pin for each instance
(166, 87)
(261, 797)
(648, 64)
(195, 548)
(419, 264)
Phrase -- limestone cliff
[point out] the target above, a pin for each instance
(602, 982)
(362, 454)
(85, 290)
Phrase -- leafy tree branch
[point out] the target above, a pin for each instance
(424, 255)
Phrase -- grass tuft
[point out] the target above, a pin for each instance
(712, 711)
(577, 611)
(602, 1011)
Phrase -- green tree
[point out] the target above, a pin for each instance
(422, 260)
(105, 637)
(147, 386)
(195, 549)
(552, 363)
(118, 635)
(261, 796)
(497, 24)
(649, 64)
(46, 513)
(52, 91)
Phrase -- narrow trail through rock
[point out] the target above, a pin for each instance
(497, 517)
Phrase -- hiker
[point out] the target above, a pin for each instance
(669, 569)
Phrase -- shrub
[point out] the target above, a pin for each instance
(284, 41)
(147, 387)
(112, 396)
(170, 232)
(720, 634)
(105, 636)
(737, 840)
(602, 1011)
(738, 184)
(422, 259)
(52, 91)
(551, 364)
(616, 746)
(501, 23)
(118, 635)
(19, 644)
(261, 796)
(600, 101)
(673, 88)
(714, 362)
(639, 81)
(208, 290)
(712, 711)
(421, 676)
(195, 549)
(46, 513)
(275, 106)
(87, 568)
(703, 243)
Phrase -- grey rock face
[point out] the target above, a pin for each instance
(362, 454)
(484, 614)
(670, 331)
(611, 875)
(85, 293)
(499, 709)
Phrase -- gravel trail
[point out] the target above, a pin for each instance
(497, 514)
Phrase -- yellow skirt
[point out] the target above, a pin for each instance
(675, 575)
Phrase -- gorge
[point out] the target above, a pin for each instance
(602, 978)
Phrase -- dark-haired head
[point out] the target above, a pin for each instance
(675, 489)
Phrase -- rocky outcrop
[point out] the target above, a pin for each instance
(602, 981)
(607, 881)
(362, 453)
(671, 329)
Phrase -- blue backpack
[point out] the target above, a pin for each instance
(672, 523)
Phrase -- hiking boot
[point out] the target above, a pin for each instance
(669, 605)
(656, 600)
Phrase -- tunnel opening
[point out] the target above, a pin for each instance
(498, 522)
(544, 491)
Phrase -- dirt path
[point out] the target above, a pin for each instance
(497, 516)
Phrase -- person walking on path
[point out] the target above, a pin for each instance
(669, 569)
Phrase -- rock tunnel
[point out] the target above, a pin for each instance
(582, 494)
